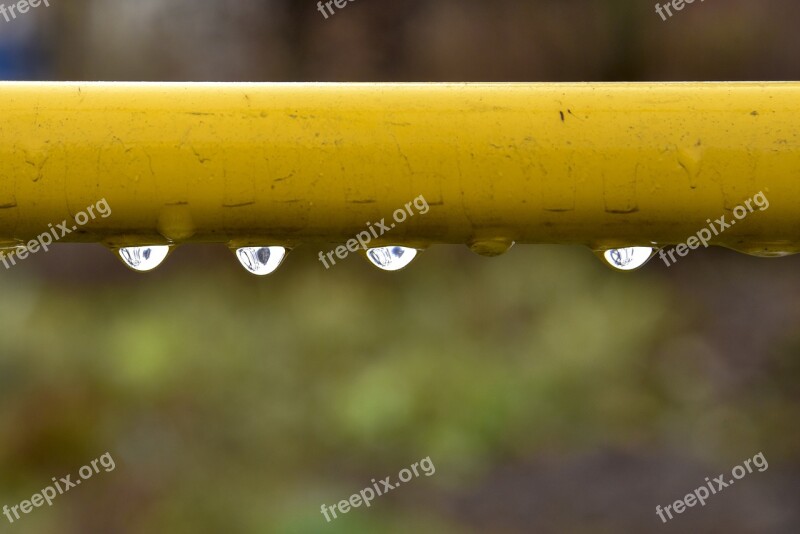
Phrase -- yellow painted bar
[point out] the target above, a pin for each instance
(597, 164)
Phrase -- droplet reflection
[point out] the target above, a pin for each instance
(261, 261)
(628, 259)
(143, 258)
(391, 258)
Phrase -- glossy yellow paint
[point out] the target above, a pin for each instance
(598, 164)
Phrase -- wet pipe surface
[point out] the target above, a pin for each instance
(624, 169)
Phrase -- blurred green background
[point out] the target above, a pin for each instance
(552, 394)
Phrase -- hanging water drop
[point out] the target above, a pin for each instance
(143, 258)
(391, 258)
(629, 258)
(491, 247)
(261, 261)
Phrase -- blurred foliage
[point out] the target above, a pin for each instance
(238, 404)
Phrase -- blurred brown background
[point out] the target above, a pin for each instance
(552, 394)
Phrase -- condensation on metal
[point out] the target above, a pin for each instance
(604, 165)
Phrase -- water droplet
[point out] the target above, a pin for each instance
(143, 258)
(175, 222)
(629, 258)
(690, 159)
(261, 261)
(490, 247)
(391, 258)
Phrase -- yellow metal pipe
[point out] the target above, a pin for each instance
(598, 164)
